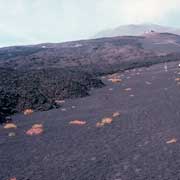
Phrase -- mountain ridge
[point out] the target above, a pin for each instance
(136, 30)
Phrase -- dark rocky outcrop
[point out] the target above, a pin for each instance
(39, 89)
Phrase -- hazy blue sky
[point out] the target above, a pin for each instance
(35, 21)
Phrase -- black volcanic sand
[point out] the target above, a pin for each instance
(133, 147)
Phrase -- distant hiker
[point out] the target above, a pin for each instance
(165, 67)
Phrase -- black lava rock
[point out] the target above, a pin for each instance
(39, 89)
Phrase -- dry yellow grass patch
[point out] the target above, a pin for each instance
(116, 114)
(14, 178)
(35, 130)
(99, 124)
(171, 141)
(10, 126)
(104, 121)
(28, 112)
(177, 79)
(128, 89)
(37, 126)
(77, 122)
(107, 120)
(113, 75)
(115, 80)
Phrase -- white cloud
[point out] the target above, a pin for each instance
(137, 11)
(36, 21)
(141, 11)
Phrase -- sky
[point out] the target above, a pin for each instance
(39, 21)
